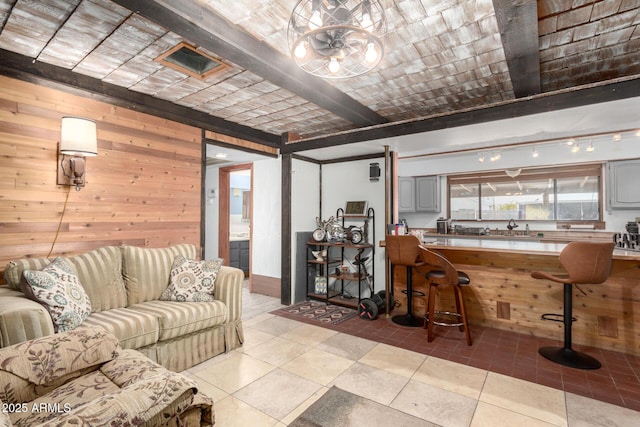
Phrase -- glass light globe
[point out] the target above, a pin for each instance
(334, 65)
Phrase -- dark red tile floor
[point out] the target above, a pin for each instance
(509, 353)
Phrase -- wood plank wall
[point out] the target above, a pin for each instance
(143, 188)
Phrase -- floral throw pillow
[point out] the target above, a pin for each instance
(58, 289)
(192, 280)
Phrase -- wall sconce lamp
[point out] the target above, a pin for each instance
(77, 140)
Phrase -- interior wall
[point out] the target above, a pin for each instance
(143, 188)
(212, 209)
(267, 219)
(305, 207)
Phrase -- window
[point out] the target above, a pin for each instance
(187, 59)
(570, 193)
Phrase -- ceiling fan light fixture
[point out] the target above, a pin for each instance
(340, 38)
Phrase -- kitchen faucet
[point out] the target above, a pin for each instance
(511, 226)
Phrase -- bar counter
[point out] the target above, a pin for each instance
(503, 295)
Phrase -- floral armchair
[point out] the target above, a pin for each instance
(83, 377)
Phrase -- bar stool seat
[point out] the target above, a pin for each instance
(403, 251)
(446, 274)
(585, 263)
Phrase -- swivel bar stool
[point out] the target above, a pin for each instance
(444, 274)
(403, 251)
(585, 263)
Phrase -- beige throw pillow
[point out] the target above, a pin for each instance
(192, 280)
(58, 289)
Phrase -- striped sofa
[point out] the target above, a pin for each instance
(123, 284)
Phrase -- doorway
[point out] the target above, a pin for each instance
(235, 216)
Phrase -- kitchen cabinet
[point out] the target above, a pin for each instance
(406, 194)
(623, 191)
(428, 193)
(239, 254)
(419, 194)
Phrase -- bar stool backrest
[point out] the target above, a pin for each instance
(437, 260)
(402, 250)
(587, 262)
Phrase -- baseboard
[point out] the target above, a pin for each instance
(266, 285)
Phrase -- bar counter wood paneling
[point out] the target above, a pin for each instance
(142, 189)
(503, 294)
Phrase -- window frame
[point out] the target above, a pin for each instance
(535, 173)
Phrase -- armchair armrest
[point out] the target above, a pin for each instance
(229, 290)
(22, 319)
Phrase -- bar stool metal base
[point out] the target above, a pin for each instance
(407, 320)
(569, 357)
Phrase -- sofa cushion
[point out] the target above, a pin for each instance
(192, 280)
(134, 329)
(58, 288)
(178, 319)
(146, 270)
(100, 272)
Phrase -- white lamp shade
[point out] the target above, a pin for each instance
(78, 137)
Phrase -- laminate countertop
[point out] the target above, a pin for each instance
(510, 246)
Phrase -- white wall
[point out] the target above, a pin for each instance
(211, 213)
(305, 207)
(267, 218)
(346, 181)
(549, 154)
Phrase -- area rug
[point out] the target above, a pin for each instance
(317, 311)
(338, 407)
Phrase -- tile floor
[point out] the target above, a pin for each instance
(285, 365)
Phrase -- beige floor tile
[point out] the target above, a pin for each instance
(275, 325)
(461, 379)
(309, 334)
(393, 359)
(373, 383)
(435, 405)
(534, 400)
(235, 372)
(304, 406)
(277, 351)
(318, 366)
(493, 416)
(277, 393)
(256, 320)
(254, 337)
(583, 412)
(232, 412)
(207, 388)
(347, 346)
(210, 362)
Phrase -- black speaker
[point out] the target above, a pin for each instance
(374, 171)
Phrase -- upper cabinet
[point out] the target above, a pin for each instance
(623, 191)
(406, 194)
(428, 194)
(419, 194)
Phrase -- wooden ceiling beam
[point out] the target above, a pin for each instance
(24, 68)
(200, 25)
(518, 24)
(543, 103)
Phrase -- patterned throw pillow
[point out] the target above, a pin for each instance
(192, 280)
(58, 289)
